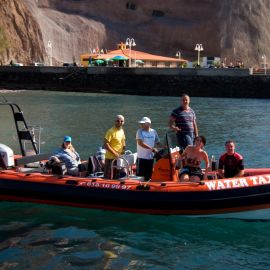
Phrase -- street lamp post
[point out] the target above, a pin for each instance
(264, 63)
(199, 48)
(130, 42)
(50, 51)
(178, 54)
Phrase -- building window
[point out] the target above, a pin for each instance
(167, 64)
(154, 63)
(157, 13)
(130, 5)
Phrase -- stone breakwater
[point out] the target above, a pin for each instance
(233, 83)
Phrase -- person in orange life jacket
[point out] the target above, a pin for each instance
(192, 157)
(183, 122)
(147, 138)
(114, 143)
(231, 164)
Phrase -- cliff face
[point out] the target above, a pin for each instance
(244, 30)
(232, 29)
(20, 28)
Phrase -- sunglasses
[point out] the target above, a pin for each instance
(120, 121)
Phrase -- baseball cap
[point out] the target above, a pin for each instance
(145, 120)
(67, 139)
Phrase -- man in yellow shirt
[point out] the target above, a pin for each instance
(114, 143)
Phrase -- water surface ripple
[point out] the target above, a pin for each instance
(49, 237)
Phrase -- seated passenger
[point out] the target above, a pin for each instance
(101, 156)
(231, 164)
(67, 154)
(192, 157)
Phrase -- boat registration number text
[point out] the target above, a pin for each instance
(105, 185)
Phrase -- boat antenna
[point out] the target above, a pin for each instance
(170, 157)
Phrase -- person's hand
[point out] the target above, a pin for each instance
(154, 150)
(55, 159)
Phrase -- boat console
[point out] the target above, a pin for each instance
(6, 156)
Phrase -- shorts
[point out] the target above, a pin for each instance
(192, 171)
(74, 171)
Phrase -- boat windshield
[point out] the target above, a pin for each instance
(171, 140)
(168, 159)
(170, 144)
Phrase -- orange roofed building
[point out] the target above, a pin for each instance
(124, 57)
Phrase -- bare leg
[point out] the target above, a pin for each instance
(195, 178)
(184, 178)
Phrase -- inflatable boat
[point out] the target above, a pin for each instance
(25, 178)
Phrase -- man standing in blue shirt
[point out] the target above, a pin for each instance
(183, 122)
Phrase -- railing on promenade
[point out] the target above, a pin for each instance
(260, 71)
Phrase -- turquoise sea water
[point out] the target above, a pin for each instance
(48, 237)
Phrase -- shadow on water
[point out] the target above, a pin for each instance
(120, 222)
(74, 237)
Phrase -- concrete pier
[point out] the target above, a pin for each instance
(236, 83)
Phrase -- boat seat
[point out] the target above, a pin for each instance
(133, 177)
(30, 170)
(26, 160)
(94, 166)
(127, 163)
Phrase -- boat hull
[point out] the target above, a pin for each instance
(215, 198)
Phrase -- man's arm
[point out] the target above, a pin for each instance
(196, 132)
(221, 173)
(172, 125)
(240, 173)
(144, 145)
(124, 145)
(207, 168)
(157, 141)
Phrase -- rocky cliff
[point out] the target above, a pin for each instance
(232, 29)
(20, 32)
